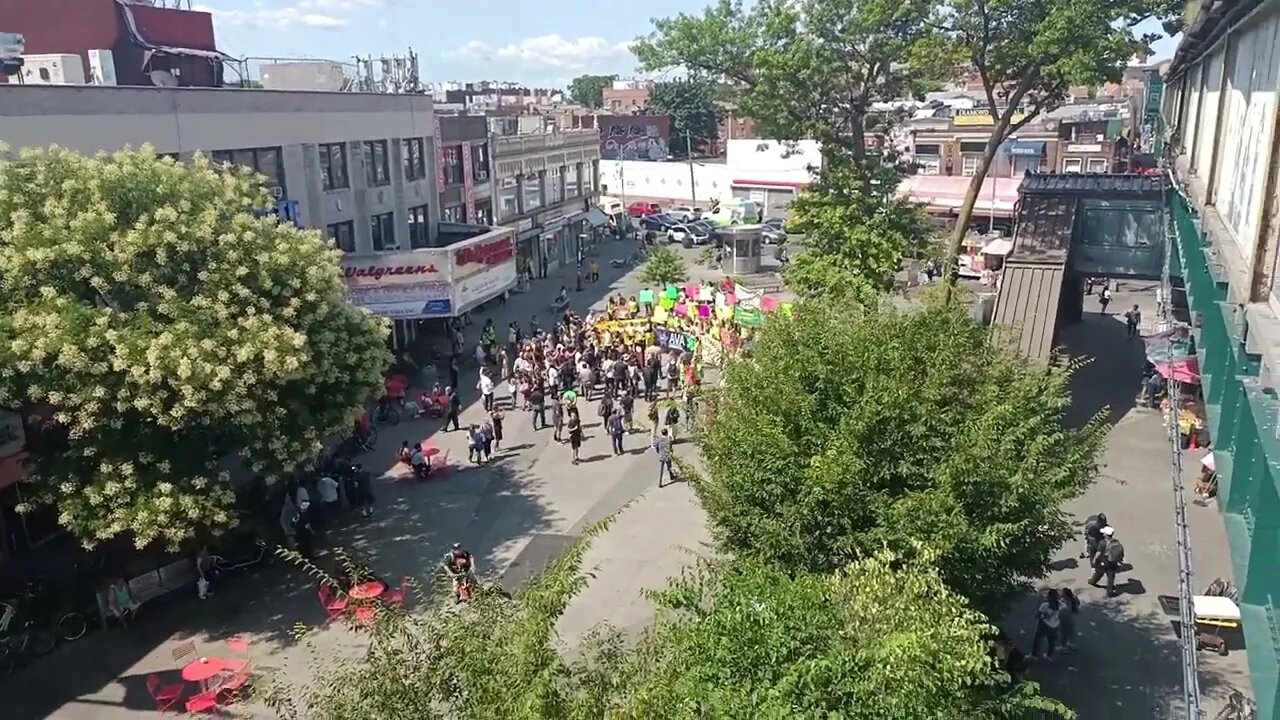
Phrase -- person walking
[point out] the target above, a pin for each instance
(574, 425)
(1093, 536)
(1132, 318)
(662, 446)
(617, 428)
(1107, 561)
(537, 399)
(455, 408)
(557, 420)
(671, 420)
(1048, 620)
(495, 419)
(1104, 297)
(485, 386)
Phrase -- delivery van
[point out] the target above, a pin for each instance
(734, 211)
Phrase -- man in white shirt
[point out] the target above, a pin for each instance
(486, 390)
(327, 488)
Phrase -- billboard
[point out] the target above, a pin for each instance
(634, 137)
(401, 285)
(482, 268)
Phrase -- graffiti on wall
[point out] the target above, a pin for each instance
(634, 137)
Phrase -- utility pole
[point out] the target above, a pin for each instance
(688, 153)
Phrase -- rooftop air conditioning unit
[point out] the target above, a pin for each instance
(53, 70)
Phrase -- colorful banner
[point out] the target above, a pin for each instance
(469, 184)
(673, 340)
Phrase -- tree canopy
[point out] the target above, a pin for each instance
(1028, 55)
(856, 231)
(691, 105)
(589, 89)
(892, 429)
(159, 324)
(801, 70)
(663, 267)
(735, 639)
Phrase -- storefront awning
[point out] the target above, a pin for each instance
(597, 217)
(1025, 147)
(999, 246)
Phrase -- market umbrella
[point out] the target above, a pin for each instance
(1183, 371)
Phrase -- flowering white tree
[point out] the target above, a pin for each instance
(160, 323)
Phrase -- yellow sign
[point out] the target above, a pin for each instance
(977, 117)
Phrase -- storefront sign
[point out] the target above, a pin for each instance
(469, 183)
(401, 285)
(972, 117)
(524, 225)
(673, 340)
(12, 435)
(551, 218)
(483, 269)
(1084, 148)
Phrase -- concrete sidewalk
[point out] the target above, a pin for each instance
(1128, 664)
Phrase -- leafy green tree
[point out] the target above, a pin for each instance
(1028, 54)
(589, 89)
(883, 430)
(856, 231)
(880, 638)
(691, 105)
(160, 326)
(801, 70)
(662, 267)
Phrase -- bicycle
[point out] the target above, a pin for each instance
(1238, 707)
(386, 413)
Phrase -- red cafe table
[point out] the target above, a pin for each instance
(204, 669)
(367, 590)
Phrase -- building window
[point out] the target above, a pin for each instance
(1026, 163)
(969, 165)
(415, 159)
(531, 186)
(572, 188)
(1097, 165)
(343, 235)
(454, 214)
(484, 213)
(453, 165)
(1072, 165)
(333, 166)
(480, 162)
(419, 230)
(377, 167)
(555, 186)
(928, 165)
(264, 161)
(508, 198)
(383, 228)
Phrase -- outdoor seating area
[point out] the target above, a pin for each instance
(361, 598)
(206, 684)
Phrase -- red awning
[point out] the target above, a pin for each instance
(948, 191)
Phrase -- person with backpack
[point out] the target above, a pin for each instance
(1108, 560)
(1093, 535)
(617, 429)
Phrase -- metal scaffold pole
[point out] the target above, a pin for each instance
(1186, 573)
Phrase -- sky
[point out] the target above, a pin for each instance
(543, 43)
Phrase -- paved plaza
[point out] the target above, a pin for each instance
(531, 502)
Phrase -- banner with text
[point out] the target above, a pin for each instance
(482, 268)
(403, 285)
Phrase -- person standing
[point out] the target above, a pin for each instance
(495, 418)
(1048, 620)
(1070, 607)
(455, 408)
(1132, 319)
(594, 272)
(574, 425)
(1108, 560)
(537, 399)
(617, 428)
(662, 446)
(1104, 297)
(485, 386)
(557, 420)
(453, 371)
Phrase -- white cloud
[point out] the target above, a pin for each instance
(547, 51)
(303, 13)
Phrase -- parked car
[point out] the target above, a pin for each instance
(685, 213)
(771, 235)
(658, 222)
(640, 209)
(690, 234)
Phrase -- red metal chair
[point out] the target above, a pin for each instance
(164, 695)
(397, 596)
(334, 606)
(366, 615)
(236, 681)
(203, 702)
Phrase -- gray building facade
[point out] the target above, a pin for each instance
(544, 186)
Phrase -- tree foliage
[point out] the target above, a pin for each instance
(159, 325)
(662, 267)
(882, 429)
(691, 105)
(801, 70)
(856, 231)
(589, 89)
(737, 640)
(1029, 54)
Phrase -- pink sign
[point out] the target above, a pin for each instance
(439, 156)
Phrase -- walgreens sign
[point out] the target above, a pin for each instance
(402, 268)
